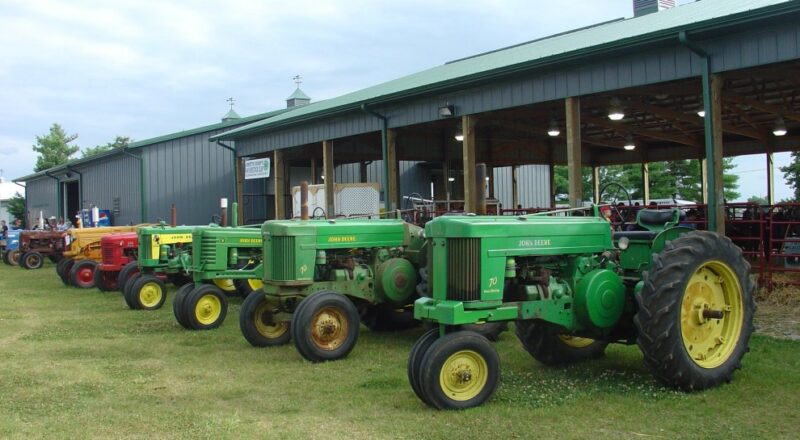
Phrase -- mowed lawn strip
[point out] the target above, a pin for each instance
(78, 364)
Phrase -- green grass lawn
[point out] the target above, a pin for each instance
(78, 364)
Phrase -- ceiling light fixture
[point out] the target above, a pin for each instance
(780, 127)
(629, 144)
(459, 134)
(615, 111)
(553, 129)
(447, 111)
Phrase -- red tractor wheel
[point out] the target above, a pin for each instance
(105, 281)
(82, 274)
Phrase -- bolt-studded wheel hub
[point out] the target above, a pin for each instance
(711, 314)
(208, 309)
(150, 294)
(463, 375)
(265, 323)
(85, 275)
(329, 328)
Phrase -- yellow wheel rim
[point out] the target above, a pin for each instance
(463, 375)
(264, 325)
(150, 294)
(225, 284)
(329, 328)
(576, 341)
(712, 314)
(255, 284)
(208, 309)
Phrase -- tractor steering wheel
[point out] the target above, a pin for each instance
(614, 190)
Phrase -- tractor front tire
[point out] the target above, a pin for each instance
(126, 272)
(126, 289)
(82, 274)
(459, 370)
(205, 307)
(547, 346)
(695, 311)
(325, 326)
(177, 304)
(418, 351)
(147, 293)
(11, 258)
(257, 324)
(31, 260)
(63, 269)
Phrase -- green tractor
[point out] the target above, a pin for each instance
(164, 255)
(325, 277)
(572, 286)
(224, 261)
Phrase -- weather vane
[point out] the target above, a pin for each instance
(231, 101)
(297, 80)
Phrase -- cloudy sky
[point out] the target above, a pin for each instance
(146, 68)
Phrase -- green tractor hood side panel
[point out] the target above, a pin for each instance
(341, 234)
(219, 251)
(151, 238)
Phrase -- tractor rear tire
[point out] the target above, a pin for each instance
(82, 274)
(125, 273)
(205, 307)
(127, 288)
(418, 351)
(547, 346)
(148, 292)
(460, 370)
(257, 325)
(325, 326)
(177, 304)
(382, 319)
(63, 268)
(105, 281)
(489, 330)
(31, 260)
(695, 311)
(248, 286)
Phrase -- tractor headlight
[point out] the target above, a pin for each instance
(623, 243)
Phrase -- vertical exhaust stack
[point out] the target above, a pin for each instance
(173, 216)
(480, 189)
(304, 200)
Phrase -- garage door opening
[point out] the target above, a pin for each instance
(72, 200)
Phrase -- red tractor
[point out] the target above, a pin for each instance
(35, 245)
(118, 250)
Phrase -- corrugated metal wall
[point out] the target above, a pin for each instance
(41, 196)
(413, 177)
(113, 183)
(533, 186)
(732, 51)
(190, 172)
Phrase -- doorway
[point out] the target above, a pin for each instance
(72, 200)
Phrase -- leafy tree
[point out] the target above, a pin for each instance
(758, 200)
(54, 148)
(119, 142)
(16, 207)
(791, 173)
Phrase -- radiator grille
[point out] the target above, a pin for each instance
(282, 259)
(464, 269)
(208, 251)
(108, 252)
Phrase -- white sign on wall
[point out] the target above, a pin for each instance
(256, 169)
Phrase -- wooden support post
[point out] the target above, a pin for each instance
(490, 175)
(645, 183)
(552, 172)
(468, 151)
(514, 186)
(240, 186)
(596, 183)
(280, 185)
(327, 171)
(573, 106)
(716, 114)
(704, 180)
(393, 192)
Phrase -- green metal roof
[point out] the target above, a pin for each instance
(231, 115)
(298, 94)
(614, 35)
(153, 141)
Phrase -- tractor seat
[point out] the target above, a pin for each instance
(636, 235)
(654, 219)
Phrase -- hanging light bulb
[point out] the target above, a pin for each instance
(451, 179)
(780, 127)
(615, 111)
(459, 134)
(553, 129)
(701, 113)
(629, 144)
